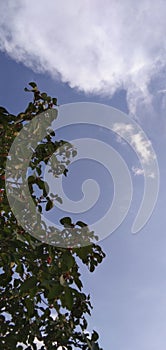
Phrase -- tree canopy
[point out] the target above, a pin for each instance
(42, 294)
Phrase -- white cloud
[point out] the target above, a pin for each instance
(142, 146)
(162, 91)
(94, 47)
(137, 140)
(137, 171)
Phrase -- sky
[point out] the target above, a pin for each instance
(110, 53)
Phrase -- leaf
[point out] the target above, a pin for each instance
(54, 100)
(95, 336)
(38, 169)
(59, 199)
(28, 284)
(40, 208)
(33, 84)
(66, 221)
(49, 205)
(68, 260)
(40, 183)
(81, 224)
(48, 98)
(31, 179)
(55, 291)
(68, 299)
(20, 269)
(30, 306)
(52, 133)
(45, 189)
(83, 252)
(92, 267)
(65, 172)
(3, 110)
(78, 283)
(95, 346)
(44, 96)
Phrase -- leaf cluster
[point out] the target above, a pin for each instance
(41, 288)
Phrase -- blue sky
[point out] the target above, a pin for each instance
(113, 55)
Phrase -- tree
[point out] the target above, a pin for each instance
(39, 279)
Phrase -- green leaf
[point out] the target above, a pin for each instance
(81, 224)
(78, 283)
(45, 189)
(30, 306)
(20, 269)
(33, 84)
(40, 183)
(31, 179)
(38, 169)
(54, 100)
(28, 284)
(55, 291)
(44, 96)
(66, 221)
(3, 110)
(95, 336)
(48, 98)
(33, 282)
(83, 252)
(68, 260)
(67, 299)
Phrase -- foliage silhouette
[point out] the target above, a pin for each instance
(37, 279)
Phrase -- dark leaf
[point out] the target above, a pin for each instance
(65, 172)
(67, 298)
(28, 284)
(54, 100)
(95, 336)
(66, 221)
(49, 205)
(3, 110)
(33, 84)
(44, 96)
(81, 224)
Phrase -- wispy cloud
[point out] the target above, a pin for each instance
(163, 91)
(93, 47)
(137, 171)
(136, 139)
